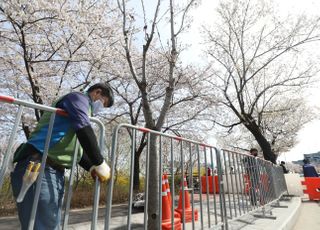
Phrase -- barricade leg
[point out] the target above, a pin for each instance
(8, 153)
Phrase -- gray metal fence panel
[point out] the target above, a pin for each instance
(25, 104)
(222, 185)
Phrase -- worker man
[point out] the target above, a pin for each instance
(66, 130)
(308, 169)
(284, 169)
(252, 170)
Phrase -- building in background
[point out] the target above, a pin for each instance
(314, 159)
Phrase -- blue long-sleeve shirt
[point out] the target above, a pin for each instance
(309, 171)
(77, 105)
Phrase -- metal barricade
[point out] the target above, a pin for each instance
(251, 185)
(9, 151)
(236, 185)
(180, 158)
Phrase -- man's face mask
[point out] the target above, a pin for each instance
(97, 106)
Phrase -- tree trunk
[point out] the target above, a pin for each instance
(262, 141)
(136, 172)
(136, 169)
(153, 201)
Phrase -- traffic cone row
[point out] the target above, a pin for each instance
(166, 211)
(166, 180)
(178, 213)
(187, 214)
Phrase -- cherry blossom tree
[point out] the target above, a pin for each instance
(280, 125)
(258, 62)
(48, 48)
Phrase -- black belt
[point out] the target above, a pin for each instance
(49, 162)
(35, 155)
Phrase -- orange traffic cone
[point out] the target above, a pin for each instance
(188, 208)
(166, 211)
(166, 180)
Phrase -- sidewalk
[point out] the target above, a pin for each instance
(309, 217)
(285, 218)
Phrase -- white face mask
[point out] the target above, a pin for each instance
(97, 106)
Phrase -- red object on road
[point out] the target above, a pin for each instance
(187, 206)
(312, 187)
(212, 188)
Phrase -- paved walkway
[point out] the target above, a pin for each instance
(309, 217)
(76, 216)
(285, 215)
(295, 216)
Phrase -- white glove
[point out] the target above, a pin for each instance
(101, 171)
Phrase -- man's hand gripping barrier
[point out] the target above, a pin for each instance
(101, 171)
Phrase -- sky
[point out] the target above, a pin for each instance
(308, 137)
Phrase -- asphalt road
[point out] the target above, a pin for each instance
(76, 217)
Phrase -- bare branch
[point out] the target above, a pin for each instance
(185, 11)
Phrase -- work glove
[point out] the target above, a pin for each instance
(101, 171)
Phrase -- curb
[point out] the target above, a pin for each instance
(286, 217)
(289, 223)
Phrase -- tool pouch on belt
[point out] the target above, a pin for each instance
(25, 150)
(29, 177)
